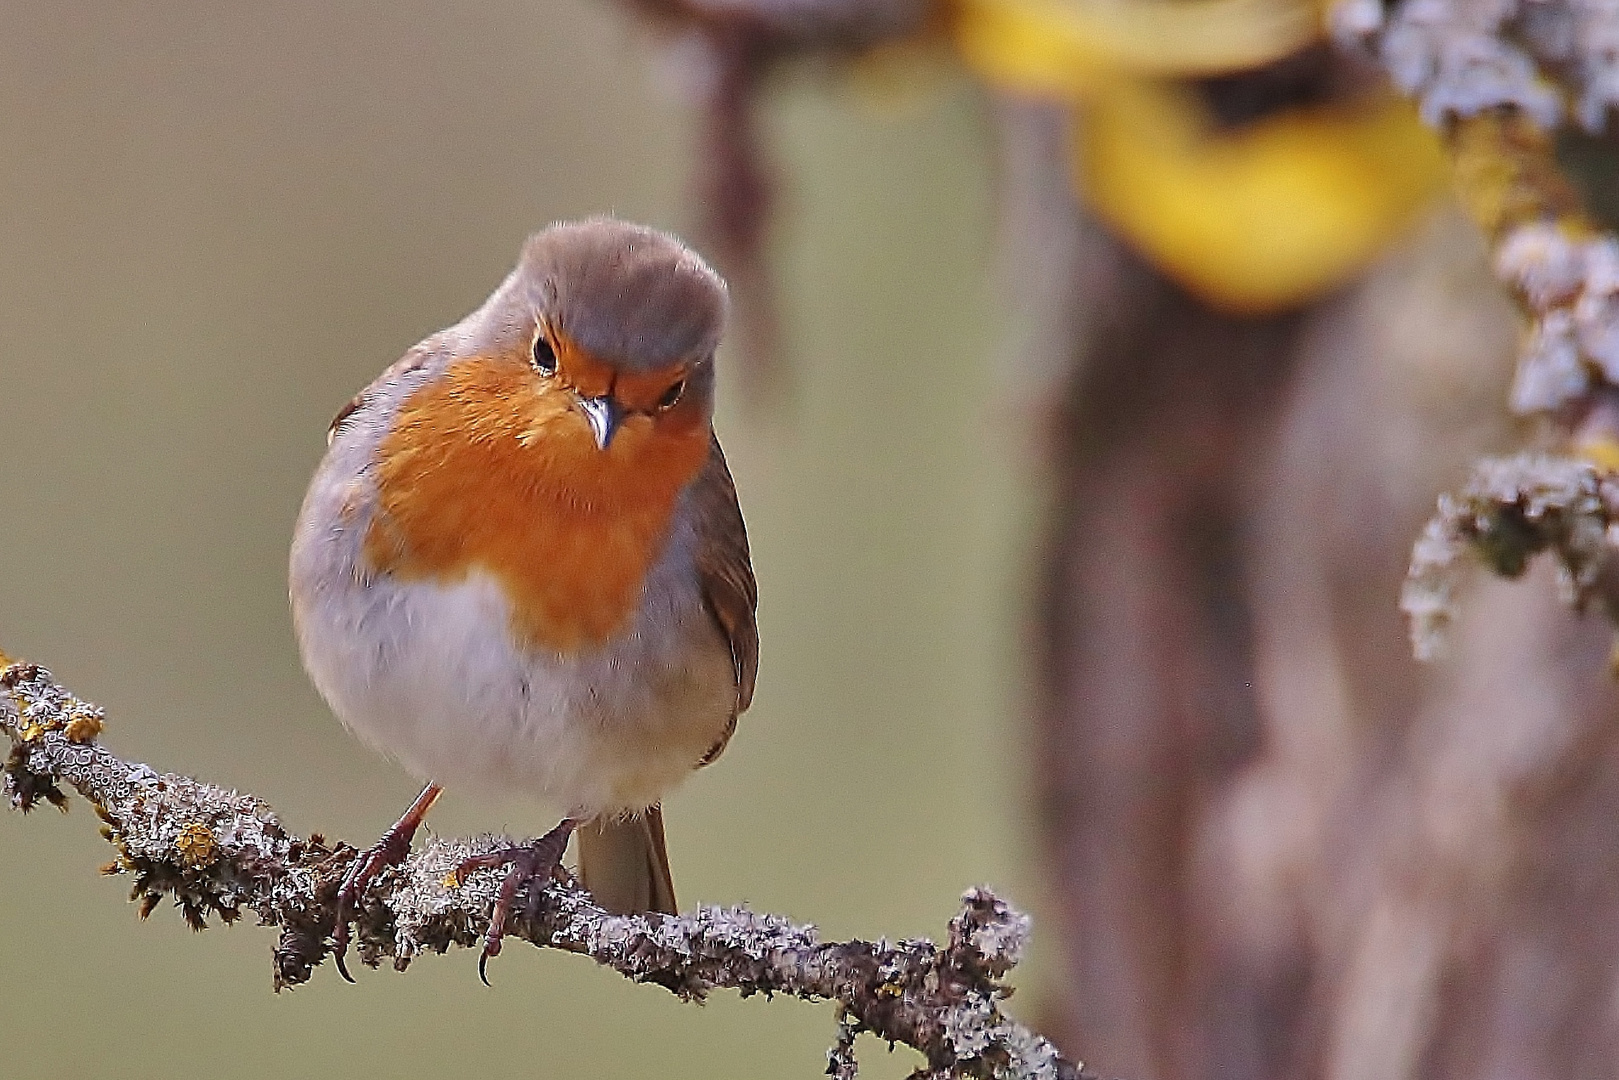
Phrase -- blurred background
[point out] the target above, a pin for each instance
(1083, 413)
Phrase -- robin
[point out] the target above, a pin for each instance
(521, 566)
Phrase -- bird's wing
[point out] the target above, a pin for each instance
(414, 360)
(726, 575)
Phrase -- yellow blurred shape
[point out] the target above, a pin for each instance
(1251, 219)
(1069, 47)
(1601, 451)
(1262, 216)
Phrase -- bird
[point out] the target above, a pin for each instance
(521, 566)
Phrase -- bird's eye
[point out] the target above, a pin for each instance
(545, 357)
(671, 396)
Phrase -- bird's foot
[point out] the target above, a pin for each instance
(388, 851)
(531, 864)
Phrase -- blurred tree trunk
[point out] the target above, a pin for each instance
(1147, 649)
(1278, 845)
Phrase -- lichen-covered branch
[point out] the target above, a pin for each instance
(1498, 78)
(1467, 57)
(1511, 510)
(222, 853)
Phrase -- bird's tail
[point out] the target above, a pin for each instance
(624, 864)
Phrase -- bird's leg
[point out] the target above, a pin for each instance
(388, 851)
(532, 863)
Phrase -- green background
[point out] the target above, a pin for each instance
(222, 220)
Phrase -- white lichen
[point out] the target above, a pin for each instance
(1594, 37)
(1510, 510)
(1456, 58)
(1459, 58)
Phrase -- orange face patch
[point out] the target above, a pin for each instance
(579, 369)
(491, 467)
(637, 391)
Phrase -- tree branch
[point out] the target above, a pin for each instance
(1511, 510)
(219, 852)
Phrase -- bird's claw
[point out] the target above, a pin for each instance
(529, 863)
(388, 851)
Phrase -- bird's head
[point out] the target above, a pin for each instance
(622, 325)
(589, 373)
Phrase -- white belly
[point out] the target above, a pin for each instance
(428, 674)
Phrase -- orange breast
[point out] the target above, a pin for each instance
(491, 468)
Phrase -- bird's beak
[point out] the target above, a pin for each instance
(604, 415)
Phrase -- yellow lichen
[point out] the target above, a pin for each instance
(32, 732)
(1507, 174)
(83, 728)
(196, 845)
(1600, 449)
